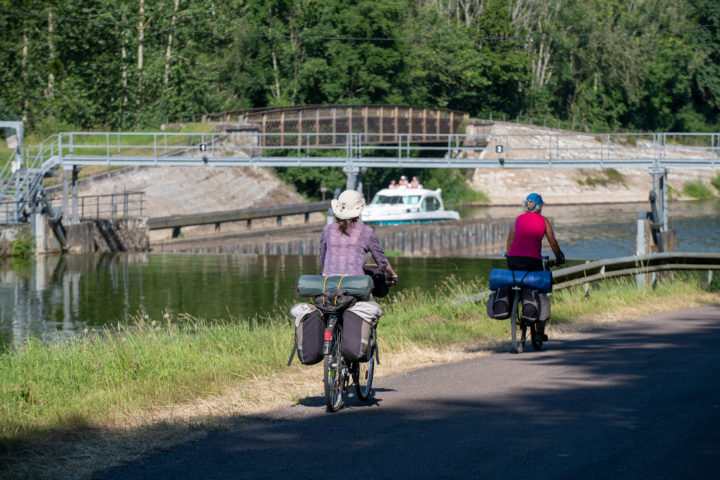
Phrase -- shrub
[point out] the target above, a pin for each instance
(23, 247)
(697, 189)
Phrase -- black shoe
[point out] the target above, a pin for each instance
(543, 337)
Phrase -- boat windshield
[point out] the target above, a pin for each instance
(395, 200)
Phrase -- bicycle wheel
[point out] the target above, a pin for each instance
(517, 345)
(363, 377)
(332, 369)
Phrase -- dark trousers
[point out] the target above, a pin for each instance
(528, 264)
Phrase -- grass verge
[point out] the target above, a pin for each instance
(698, 189)
(112, 396)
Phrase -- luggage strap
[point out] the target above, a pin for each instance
(519, 284)
(292, 355)
(338, 288)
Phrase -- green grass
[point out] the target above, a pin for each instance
(698, 189)
(715, 181)
(605, 177)
(100, 376)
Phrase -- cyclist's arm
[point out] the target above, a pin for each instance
(510, 238)
(323, 250)
(379, 255)
(552, 241)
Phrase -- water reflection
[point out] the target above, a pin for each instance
(61, 295)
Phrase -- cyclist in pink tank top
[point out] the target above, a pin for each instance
(524, 243)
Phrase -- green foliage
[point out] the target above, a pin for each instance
(596, 64)
(309, 181)
(604, 177)
(697, 189)
(23, 247)
(715, 181)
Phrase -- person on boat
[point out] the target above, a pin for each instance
(414, 183)
(403, 181)
(524, 242)
(344, 244)
(392, 184)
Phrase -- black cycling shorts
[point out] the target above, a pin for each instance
(528, 264)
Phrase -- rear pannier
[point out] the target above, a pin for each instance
(359, 321)
(499, 303)
(535, 305)
(309, 330)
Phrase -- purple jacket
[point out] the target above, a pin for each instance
(345, 254)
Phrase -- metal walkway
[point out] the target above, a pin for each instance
(571, 150)
(353, 152)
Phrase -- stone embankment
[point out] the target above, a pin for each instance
(560, 186)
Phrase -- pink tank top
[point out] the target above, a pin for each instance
(529, 232)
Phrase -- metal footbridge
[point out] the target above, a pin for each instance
(21, 179)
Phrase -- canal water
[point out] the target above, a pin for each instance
(66, 294)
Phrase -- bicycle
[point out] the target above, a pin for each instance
(337, 372)
(518, 323)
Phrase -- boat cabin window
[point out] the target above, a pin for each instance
(395, 200)
(430, 204)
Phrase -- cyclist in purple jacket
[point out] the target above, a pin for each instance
(345, 243)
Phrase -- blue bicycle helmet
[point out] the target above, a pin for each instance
(533, 203)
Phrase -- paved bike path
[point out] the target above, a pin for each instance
(639, 399)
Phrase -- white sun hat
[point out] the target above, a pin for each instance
(348, 205)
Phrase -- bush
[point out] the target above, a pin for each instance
(23, 247)
(697, 189)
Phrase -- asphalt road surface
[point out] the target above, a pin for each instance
(635, 400)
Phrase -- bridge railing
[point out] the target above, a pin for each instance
(382, 150)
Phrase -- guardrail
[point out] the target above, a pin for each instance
(638, 266)
(635, 265)
(176, 222)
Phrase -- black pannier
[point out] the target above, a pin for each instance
(309, 331)
(499, 303)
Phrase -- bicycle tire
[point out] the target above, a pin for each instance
(517, 346)
(333, 376)
(363, 378)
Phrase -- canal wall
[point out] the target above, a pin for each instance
(120, 234)
(8, 236)
(473, 237)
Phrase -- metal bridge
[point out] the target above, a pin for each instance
(353, 152)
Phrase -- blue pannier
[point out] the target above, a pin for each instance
(541, 280)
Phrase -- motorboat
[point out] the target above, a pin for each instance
(395, 206)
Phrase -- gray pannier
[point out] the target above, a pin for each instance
(535, 305)
(499, 303)
(309, 330)
(359, 322)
